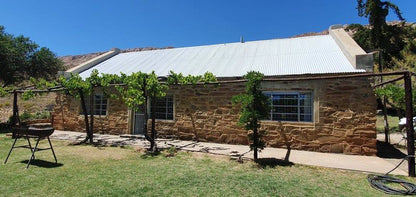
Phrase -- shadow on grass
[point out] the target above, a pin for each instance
(272, 162)
(5, 130)
(149, 154)
(43, 163)
(100, 144)
(385, 150)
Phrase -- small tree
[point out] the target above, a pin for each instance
(254, 107)
(78, 88)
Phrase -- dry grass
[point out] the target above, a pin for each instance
(40, 103)
(393, 123)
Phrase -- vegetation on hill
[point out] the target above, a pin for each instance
(391, 39)
(395, 43)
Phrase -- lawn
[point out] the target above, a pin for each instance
(393, 123)
(114, 171)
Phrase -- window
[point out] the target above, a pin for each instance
(163, 108)
(291, 106)
(100, 105)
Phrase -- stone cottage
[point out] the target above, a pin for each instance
(319, 111)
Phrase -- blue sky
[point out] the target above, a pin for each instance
(85, 26)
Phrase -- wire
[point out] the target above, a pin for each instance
(380, 182)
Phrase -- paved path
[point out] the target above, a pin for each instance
(370, 164)
(395, 138)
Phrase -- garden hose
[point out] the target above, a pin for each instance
(381, 183)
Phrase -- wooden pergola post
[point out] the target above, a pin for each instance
(409, 124)
(16, 119)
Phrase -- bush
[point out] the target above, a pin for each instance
(25, 116)
(41, 115)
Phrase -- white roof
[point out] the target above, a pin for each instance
(291, 56)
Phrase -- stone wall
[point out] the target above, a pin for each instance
(344, 116)
(68, 116)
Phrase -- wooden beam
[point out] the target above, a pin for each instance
(16, 118)
(388, 81)
(409, 124)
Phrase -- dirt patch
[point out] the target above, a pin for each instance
(39, 104)
(198, 155)
(97, 153)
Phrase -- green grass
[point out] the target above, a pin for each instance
(393, 123)
(114, 171)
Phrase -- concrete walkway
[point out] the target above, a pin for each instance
(371, 164)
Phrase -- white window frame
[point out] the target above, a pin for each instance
(298, 113)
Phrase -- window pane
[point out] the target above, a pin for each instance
(306, 117)
(292, 106)
(163, 108)
(99, 107)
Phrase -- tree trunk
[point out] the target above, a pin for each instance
(288, 143)
(386, 123)
(287, 154)
(153, 132)
(91, 131)
(146, 117)
(84, 111)
(255, 143)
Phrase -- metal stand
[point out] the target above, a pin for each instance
(32, 150)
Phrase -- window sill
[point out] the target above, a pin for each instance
(163, 120)
(96, 116)
(291, 122)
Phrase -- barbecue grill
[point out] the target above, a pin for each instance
(36, 131)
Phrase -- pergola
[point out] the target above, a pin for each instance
(401, 75)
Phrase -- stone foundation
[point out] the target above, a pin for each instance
(344, 116)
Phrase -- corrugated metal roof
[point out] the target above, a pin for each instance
(292, 56)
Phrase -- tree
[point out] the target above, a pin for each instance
(255, 106)
(139, 88)
(21, 58)
(376, 11)
(408, 54)
(77, 87)
(380, 35)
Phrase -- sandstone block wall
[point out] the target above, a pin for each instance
(344, 116)
(68, 116)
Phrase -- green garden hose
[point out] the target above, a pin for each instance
(381, 183)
